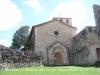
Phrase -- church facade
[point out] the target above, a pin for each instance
(59, 44)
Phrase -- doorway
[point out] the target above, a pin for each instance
(98, 53)
(57, 59)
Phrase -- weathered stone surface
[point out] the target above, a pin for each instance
(45, 37)
(84, 45)
(10, 58)
(80, 52)
(58, 48)
(96, 9)
(78, 49)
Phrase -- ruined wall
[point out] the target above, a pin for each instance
(80, 50)
(84, 46)
(10, 58)
(94, 43)
(96, 9)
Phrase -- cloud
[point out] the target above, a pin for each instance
(34, 4)
(3, 35)
(10, 15)
(74, 10)
(3, 42)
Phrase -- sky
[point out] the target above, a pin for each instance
(17, 13)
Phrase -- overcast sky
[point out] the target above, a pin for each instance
(17, 13)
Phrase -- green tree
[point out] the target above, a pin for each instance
(20, 37)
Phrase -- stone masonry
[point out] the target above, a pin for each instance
(96, 9)
(84, 47)
(11, 58)
(60, 45)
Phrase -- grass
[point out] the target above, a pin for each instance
(53, 70)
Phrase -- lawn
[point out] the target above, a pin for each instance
(53, 70)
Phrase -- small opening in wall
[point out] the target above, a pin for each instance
(66, 21)
(56, 33)
(99, 33)
(90, 29)
(95, 31)
(98, 53)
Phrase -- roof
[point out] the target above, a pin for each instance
(33, 27)
(52, 21)
(61, 18)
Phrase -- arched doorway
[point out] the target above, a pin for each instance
(57, 55)
(57, 59)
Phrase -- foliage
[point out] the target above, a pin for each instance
(1, 47)
(20, 37)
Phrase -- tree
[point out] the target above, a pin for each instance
(20, 37)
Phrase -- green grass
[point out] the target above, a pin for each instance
(53, 70)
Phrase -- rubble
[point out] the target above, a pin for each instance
(11, 58)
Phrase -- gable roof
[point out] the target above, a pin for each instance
(52, 21)
(33, 27)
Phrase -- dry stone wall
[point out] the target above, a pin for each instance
(10, 58)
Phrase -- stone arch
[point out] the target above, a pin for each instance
(58, 48)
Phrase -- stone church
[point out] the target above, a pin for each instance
(59, 44)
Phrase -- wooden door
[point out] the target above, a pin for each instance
(58, 59)
(98, 53)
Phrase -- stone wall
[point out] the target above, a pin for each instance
(79, 53)
(45, 36)
(94, 43)
(81, 47)
(10, 58)
(84, 46)
(58, 48)
(96, 9)
(30, 43)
